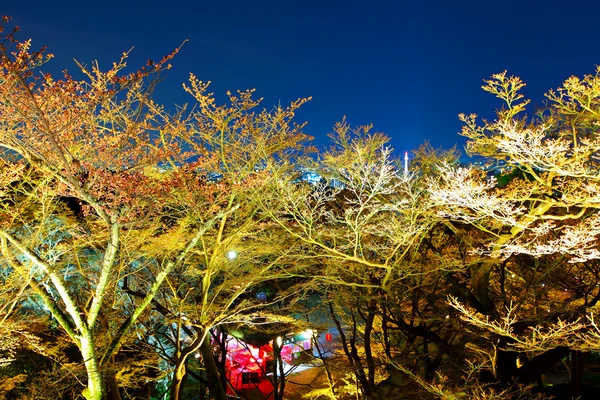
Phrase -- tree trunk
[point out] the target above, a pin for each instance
(506, 366)
(212, 372)
(539, 364)
(577, 368)
(221, 339)
(358, 368)
(330, 380)
(480, 282)
(95, 386)
(367, 343)
(278, 372)
(351, 352)
(179, 375)
(112, 387)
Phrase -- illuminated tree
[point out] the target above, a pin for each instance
(213, 288)
(534, 263)
(105, 194)
(361, 232)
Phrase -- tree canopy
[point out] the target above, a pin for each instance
(134, 241)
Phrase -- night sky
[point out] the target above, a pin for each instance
(408, 67)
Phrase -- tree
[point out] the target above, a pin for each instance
(97, 183)
(213, 287)
(361, 231)
(534, 270)
(87, 142)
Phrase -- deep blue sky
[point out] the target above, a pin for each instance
(408, 67)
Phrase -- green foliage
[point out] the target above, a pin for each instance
(504, 179)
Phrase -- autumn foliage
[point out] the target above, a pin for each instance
(118, 219)
(104, 194)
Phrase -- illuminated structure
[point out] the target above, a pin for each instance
(310, 176)
(249, 366)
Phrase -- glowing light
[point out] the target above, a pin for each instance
(232, 255)
(307, 334)
(279, 341)
(197, 355)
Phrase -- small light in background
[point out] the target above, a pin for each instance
(232, 255)
(307, 334)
